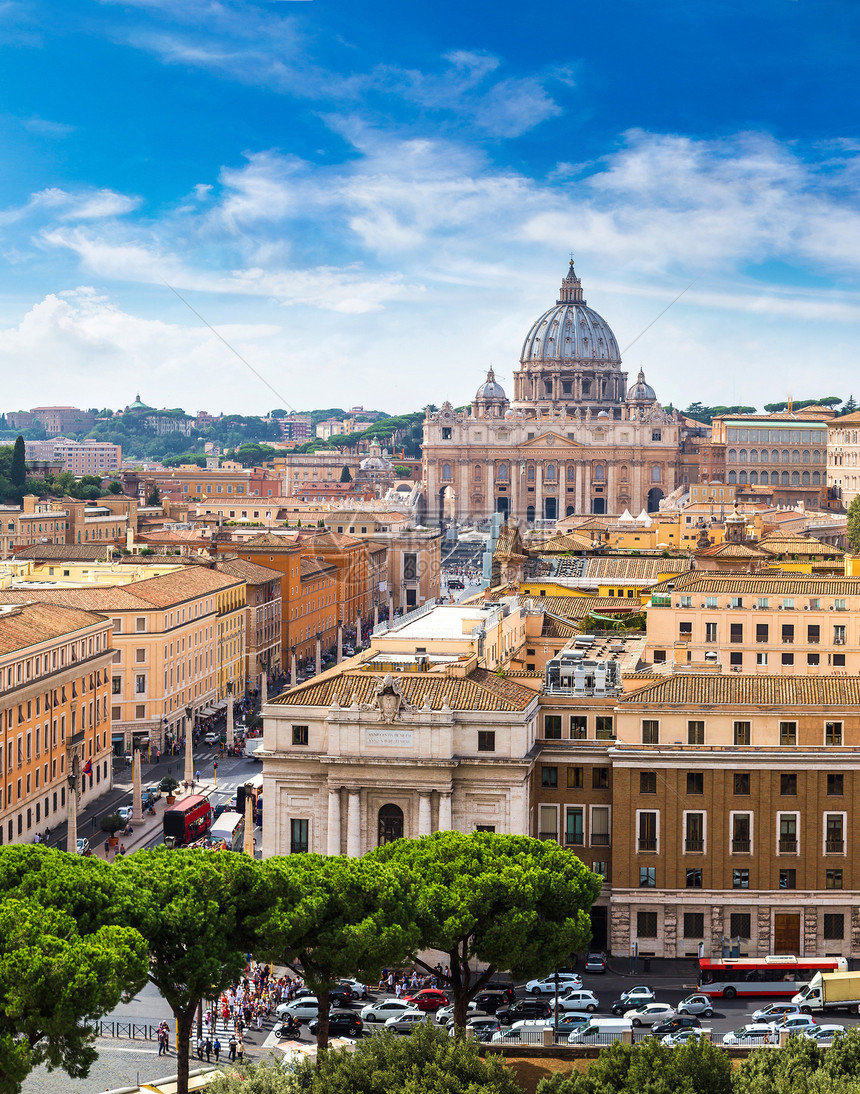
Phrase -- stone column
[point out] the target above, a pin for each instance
(358, 633)
(424, 822)
(490, 487)
(293, 668)
(611, 471)
(334, 822)
(264, 688)
(248, 845)
(229, 720)
(339, 643)
(353, 824)
(390, 606)
(445, 811)
(136, 793)
(538, 490)
(189, 751)
(72, 823)
(376, 615)
(577, 497)
(318, 654)
(586, 488)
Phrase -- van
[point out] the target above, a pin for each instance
(527, 1032)
(600, 1030)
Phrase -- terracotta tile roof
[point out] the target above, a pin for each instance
(787, 692)
(731, 550)
(266, 539)
(845, 419)
(707, 581)
(509, 542)
(565, 542)
(481, 690)
(36, 623)
(314, 568)
(785, 543)
(636, 568)
(249, 572)
(64, 552)
(331, 540)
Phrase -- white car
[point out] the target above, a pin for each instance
(445, 1014)
(358, 989)
(822, 1035)
(794, 1023)
(547, 983)
(212, 738)
(650, 1014)
(774, 1012)
(576, 1000)
(696, 1004)
(385, 1009)
(681, 1037)
(642, 992)
(304, 1008)
(83, 845)
(407, 1021)
(756, 1034)
(125, 811)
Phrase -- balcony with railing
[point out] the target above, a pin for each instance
(647, 843)
(576, 839)
(600, 839)
(548, 836)
(834, 847)
(740, 846)
(787, 845)
(694, 846)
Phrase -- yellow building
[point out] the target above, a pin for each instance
(55, 668)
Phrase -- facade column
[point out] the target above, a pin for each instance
(318, 654)
(353, 824)
(538, 490)
(376, 615)
(586, 488)
(490, 487)
(334, 822)
(445, 811)
(136, 796)
(339, 643)
(390, 606)
(230, 716)
(424, 823)
(248, 841)
(293, 668)
(264, 689)
(358, 633)
(611, 472)
(189, 751)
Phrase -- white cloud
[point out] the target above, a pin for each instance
(65, 205)
(45, 128)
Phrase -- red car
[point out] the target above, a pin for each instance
(427, 999)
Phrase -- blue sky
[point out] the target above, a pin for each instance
(373, 202)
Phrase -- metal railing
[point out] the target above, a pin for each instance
(787, 845)
(646, 844)
(694, 846)
(740, 846)
(834, 846)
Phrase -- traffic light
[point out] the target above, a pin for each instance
(215, 765)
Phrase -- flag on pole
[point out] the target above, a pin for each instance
(88, 768)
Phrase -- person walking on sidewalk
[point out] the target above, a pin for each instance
(232, 1043)
(199, 1048)
(216, 1049)
(208, 1049)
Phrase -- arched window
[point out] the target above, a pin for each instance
(570, 510)
(753, 455)
(530, 473)
(598, 473)
(816, 456)
(733, 477)
(742, 478)
(550, 472)
(623, 473)
(571, 472)
(784, 479)
(795, 478)
(774, 456)
(805, 455)
(732, 456)
(655, 473)
(478, 472)
(774, 477)
(530, 514)
(763, 455)
(816, 478)
(742, 456)
(754, 477)
(390, 824)
(786, 457)
(804, 478)
(503, 472)
(446, 471)
(795, 456)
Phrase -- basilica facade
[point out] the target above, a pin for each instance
(574, 439)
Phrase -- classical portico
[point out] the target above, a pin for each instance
(574, 440)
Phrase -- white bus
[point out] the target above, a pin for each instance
(230, 827)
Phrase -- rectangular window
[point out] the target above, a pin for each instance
(788, 785)
(788, 633)
(486, 740)
(833, 879)
(140, 625)
(604, 727)
(839, 660)
(695, 733)
(788, 659)
(710, 633)
(788, 733)
(600, 826)
(694, 833)
(298, 837)
(761, 658)
(647, 877)
(695, 782)
(740, 925)
(548, 822)
(300, 735)
(574, 826)
(685, 632)
(813, 659)
(140, 685)
(574, 778)
(647, 831)
(549, 776)
(646, 924)
(762, 602)
(694, 924)
(834, 841)
(742, 733)
(787, 833)
(552, 727)
(736, 657)
(835, 784)
(647, 782)
(578, 727)
(601, 869)
(834, 925)
(833, 733)
(650, 732)
(736, 632)
(741, 833)
(600, 778)
(694, 878)
(740, 879)
(813, 634)
(839, 634)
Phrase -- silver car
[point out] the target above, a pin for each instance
(406, 1022)
(304, 1008)
(384, 1009)
(696, 1004)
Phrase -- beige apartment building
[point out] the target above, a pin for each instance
(753, 624)
(262, 615)
(843, 457)
(55, 668)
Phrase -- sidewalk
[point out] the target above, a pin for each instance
(143, 831)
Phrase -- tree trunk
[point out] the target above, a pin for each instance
(322, 1028)
(184, 1025)
(460, 980)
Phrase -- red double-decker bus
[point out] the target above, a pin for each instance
(187, 821)
(775, 975)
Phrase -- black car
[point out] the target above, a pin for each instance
(502, 985)
(524, 1008)
(490, 1001)
(672, 1025)
(340, 1023)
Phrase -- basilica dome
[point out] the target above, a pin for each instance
(490, 389)
(641, 392)
(570, 331)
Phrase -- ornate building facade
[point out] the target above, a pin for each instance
(574, 439)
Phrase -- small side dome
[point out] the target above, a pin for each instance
(641, 392)
(603, 414)
(490, 389)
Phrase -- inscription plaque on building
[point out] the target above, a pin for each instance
(390, 738)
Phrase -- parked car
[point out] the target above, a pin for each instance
(571, 1020)
(757, 1033)
(595, 962)
(502, 985)
(125, 811)
(83, 845)
(681, 1037)
(384, 1009)
(341, 1023)
(774, 1011)
(407, 1021)
(673, 1025)
(428, 999)
(650, 1014)
(359, 990)
(523, 1008)
(621, 1005)
(153, 791)
(640, 991)
(577, 1000)
(546, 984)
(490, 1001)
(304, 1008)
(822, 1035)
(794, 1023)
(479, 1021)
(446, 1014)
(528, 1031)
(696, 1004)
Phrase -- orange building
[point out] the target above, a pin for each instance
(350, 555)
(55, 668)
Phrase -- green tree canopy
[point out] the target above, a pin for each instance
(333, 916)
(19, 465)
(852, 530)
(513, 902)
(153, 497)
(345, 475)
